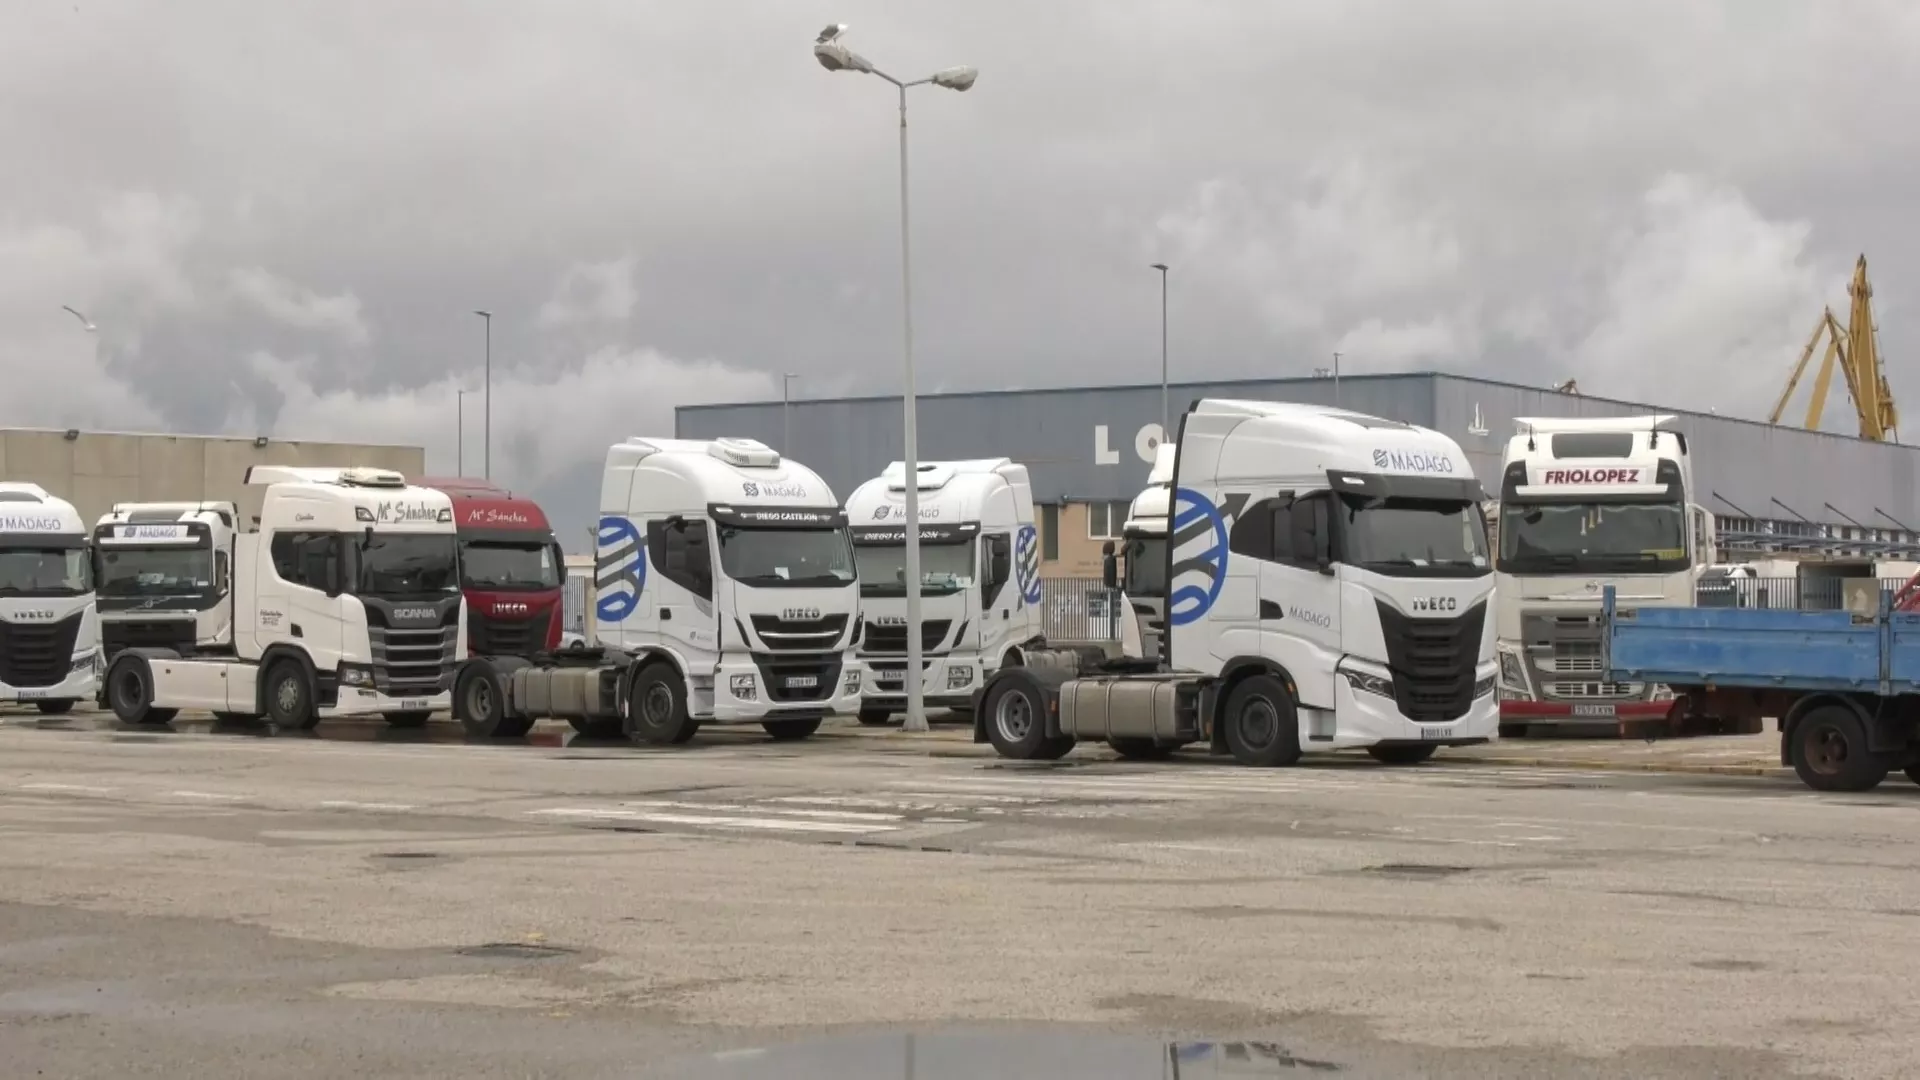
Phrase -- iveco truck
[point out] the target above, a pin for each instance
(979, 579)
(1587, 502)
(724, 593)
(1328, 588)
(49, 630)
(1140, 570)
(511, 568)
(345, 601)
(163, 572)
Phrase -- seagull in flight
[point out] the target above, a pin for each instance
(85, 322)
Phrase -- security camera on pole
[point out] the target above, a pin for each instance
(835, 56)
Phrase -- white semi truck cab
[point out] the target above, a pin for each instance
(979, 571)
(725, 593)
(1328, 588)
(49, 629)
(163, 572)
(345, 601)
(1587, 502)
(1140, 571)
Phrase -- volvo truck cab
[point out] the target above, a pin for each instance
(163, 572)
(1328, 588)
(1588, 502)
(979, 579)
(49, 628)
(345, 601)
(725, 593)
(1139, 570)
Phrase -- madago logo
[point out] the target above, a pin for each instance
(1198, 552)
(1414, 461)
(754, 490)
(1436, 603)
(1319, 619)
(1026, 563)
(619, 569)
(888, 510)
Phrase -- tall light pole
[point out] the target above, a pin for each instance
(486, 427)
(460, 431)
(837, 57)
(1166, 417)
(1336, 380)
(786, 421)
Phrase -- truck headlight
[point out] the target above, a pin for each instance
(851, 684)
(87, 661)
(960, 677)
(1482, 687)
(741, 686)
(1368, 683)
(1513, 672)
(356, 675)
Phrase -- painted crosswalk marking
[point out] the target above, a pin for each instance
(717, 821)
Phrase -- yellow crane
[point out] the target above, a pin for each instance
(1856, 347)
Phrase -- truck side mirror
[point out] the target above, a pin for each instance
(1109, 569)
(999, 562)
(333, 568)
(1322, 537)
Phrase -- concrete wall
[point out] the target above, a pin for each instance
(94, 470)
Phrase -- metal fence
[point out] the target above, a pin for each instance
(1795, 594)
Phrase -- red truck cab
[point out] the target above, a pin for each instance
(511, 569)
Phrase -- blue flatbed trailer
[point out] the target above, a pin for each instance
(1843, 687)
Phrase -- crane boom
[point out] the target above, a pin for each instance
(1855, 349)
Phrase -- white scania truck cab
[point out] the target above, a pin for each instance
(1328, 588)
(725, 593)
(163, 572)
(980, 579)
(1587, 502)
(345, 601)
(49, 630)
(1140, 570)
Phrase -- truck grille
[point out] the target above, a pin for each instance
(38, 654)
(775, 671)
(1433, 661)
(500, 635)
(893, 639)
(1591, 691)
(175, 634)
(800, 635)
(1565, 655)
(412, 661)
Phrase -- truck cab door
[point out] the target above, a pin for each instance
(684, 605)
(997, 598)
(1296, 587)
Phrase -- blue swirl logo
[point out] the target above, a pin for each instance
(1199, 555)
(1026, 563)
(619, 569)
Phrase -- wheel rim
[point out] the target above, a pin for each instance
(126, 689)
(287, 695)
(1827, 748)
(1259, 723)
(1013, 715)
(480, 700)
(657, 704)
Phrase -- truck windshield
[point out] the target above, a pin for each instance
(1146, 567)
(1412, 537)
(786, 558)
(495, 564)
(29, 571)
(1589, 538)
(404, 566)
(155, 571)
(944, 568)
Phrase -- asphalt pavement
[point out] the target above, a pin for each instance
(201, 902)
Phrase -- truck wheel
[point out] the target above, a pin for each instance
(597, 727)
(1401, 753)
(1017, 723)
(1140, 749)
(875, 717)
(411, 718)
(130, 693)
(290, 697)
(480, 704)
(788, 730)
(1829, 751)
(657, 707)
(56, 708)
(1262, 724)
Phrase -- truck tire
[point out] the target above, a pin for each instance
(1828, 748)
(789, 730)
(596, 727)
(290, 696)
(1141, 749)
(480, 704)
(1016, 716)
(875, 717)
(130, 693)
(1401, 753)
(657, 708)
(1262, 724)
(409, 718)
(57, 707)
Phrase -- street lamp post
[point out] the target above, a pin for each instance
(786, 421)
(835, 56)
(486, 425)
(460, 431)
(1166, 417)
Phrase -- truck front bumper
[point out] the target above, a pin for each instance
(778, 687)
(361, 701)
(1365, 717)
(81, 684)
(946, 682)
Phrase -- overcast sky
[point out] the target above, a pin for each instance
(282, 214)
